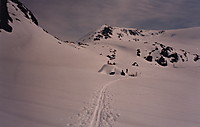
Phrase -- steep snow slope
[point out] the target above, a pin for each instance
(45, 82)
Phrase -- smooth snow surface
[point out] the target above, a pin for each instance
(45, 82)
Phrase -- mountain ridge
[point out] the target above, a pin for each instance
(7, 20)
(108, 32)
(154, 46)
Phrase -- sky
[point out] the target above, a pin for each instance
(72, 19)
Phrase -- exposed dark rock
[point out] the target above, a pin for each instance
(45, 31)
(196, 58)
(126, 70)
(125, 31)
(82, 44)
(110, 63)
(161, 61)
(120, 35)
(166, 51)
(18, 19)
(134, 75)
(122, 73)
(185, 54)
(113, 51)
(5, 17)
(56, 38)
(111, 57)
(136, 39)
(160, 32)
(28, 14)
(112, 73)
(156, 48)
(131, 75)
(107, 32)
(174, 58)
(157, 33)
(133, 32)
(149, 58)
(97, 39)
(162, 46)
(182, 58)
(138, 52)
(135, 64)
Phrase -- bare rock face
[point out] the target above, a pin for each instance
(105, 33)
(28, 14)
(6, 19)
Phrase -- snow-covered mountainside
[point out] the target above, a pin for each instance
(112, 77)
(156, 47)
(106, 32)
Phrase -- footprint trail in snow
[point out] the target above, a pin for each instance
(99, 115)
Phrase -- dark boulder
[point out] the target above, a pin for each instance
(112, 73)
(135, 64)
(174, 58)
(122, 73)
(149, 58)
(138, 52)
(161, 61)
(196, 58)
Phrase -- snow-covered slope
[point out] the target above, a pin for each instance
(105, 79)
(156, 47)
(43, 81)
(160, 70)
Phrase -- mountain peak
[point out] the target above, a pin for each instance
(28, 14)
(5, 17)
(9, 9)
(107, 32)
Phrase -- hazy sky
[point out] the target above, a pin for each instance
(72, 19)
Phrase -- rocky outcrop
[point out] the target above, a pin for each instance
(5, 17)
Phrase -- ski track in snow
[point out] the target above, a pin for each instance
(98, 112)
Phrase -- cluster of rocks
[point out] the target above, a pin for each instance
(167, 54)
